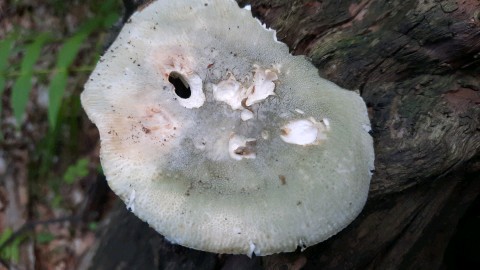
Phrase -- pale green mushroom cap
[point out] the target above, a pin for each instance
(262, 157)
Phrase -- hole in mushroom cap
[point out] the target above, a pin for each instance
(182, 89)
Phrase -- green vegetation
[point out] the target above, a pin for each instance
(56, 63)
(44, 237)
(76, 171)
(23, 84)
(11, 250)
(5, 48)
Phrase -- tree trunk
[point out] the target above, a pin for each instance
(417, 66)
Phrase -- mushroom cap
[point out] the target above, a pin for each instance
(214, 176)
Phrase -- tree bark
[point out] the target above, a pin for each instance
(417, 66)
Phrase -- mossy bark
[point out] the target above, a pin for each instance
(417, 66)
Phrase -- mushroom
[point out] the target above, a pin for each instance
(220, 139)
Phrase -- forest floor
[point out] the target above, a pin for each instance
(51, 198)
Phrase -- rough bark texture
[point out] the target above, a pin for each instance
(417, 66)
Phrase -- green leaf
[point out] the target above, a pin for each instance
(11, 252)
(5, 48)
(99, 168)
(14, 253)
(5, 235)
(110, 19)
(44, 237)
(92, 226)
(76, 171)
(66, 56)
(57, 201)
(109, 12)
(23, 85)
(107, 6)
(56, 90)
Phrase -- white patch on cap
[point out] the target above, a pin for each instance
(197, 97)
(302, 245)
(230, 91)
(265, 134)
(263, 86)
(200, 144)
(240, 147)
(327, 123)
(246, 115)
(234, 93)
(131, 201)
(252, 249)
(299, 111)
(367, 127)
(304, 132)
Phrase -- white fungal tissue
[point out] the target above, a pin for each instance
(304, 131)
(240, 96)
(240, 147)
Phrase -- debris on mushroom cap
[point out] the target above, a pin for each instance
(304, 131)
(201, 112)
(240, 147)
(238, 96)
(263, 86)
(231, 92)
